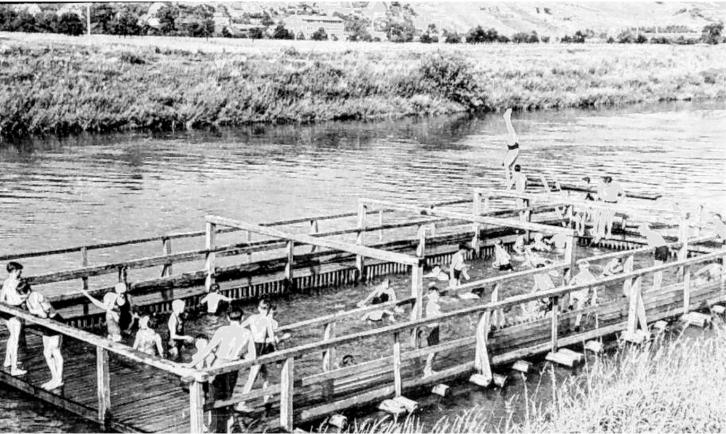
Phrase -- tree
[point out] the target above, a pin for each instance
(426, 38)
(125, 23)
(70, 24)
(23, 22)
(167, 16)
(357, 28)
(102, 15)
(400, 31)
(711, 33)
(319, 35)
(451, 37)
(478, 35)
(7, 16)
(300, 36)
(267, 20)
(256, 33)
(578, 38)
(46, 22)
(281, 32)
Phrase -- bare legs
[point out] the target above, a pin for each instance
(510, 158)
(54, 359)
(11, 354)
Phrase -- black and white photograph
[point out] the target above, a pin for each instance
(360, 217)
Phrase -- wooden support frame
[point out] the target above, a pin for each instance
(360, 240)
(209, 245)
(166, 250)
(84, 263)
(397, 383)
(686, 289)
(287, 379)
(290, 266)
(196, 408)
(103, 387)
(328, 357)
(476, 227)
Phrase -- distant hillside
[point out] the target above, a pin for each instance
(547, 18)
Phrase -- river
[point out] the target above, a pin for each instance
(85, 189)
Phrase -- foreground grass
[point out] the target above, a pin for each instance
(66, 84)
(678, 387)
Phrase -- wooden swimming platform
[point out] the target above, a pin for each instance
(130, 391)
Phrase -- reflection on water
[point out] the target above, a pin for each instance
(55, 193)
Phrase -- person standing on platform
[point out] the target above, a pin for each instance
(433, 309)
(611, 193)
(38, 305)
(518, 181)
(262, 328)
(457, 268)
(177, 338)
(9, 294)
(656, 241)
(229, 344)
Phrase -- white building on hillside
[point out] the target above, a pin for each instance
(309, 24)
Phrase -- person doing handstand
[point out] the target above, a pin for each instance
(510, 158)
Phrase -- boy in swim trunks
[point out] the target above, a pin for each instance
(263, 335)
(458, 267)
(9, 295)
(655, 240)
(502, 259)
(433, 309)
(213, 299)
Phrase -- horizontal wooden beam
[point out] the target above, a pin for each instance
(315, 241)
(537, 182)
(471, 218)
(97, 341)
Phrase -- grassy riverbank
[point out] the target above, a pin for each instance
(679, 387)
(67, 84)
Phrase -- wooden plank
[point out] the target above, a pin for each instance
(287, 377)
(210, 244)
(397, 384)
(322, 242)
(103, 386)
(196, 408)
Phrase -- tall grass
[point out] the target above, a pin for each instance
(63, 87)
(679, 386)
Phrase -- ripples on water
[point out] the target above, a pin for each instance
(93, 189)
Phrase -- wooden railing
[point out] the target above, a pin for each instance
(394, 332)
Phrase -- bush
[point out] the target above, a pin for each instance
(428, 39)
(451, 77)
(281, 32)
(578, 38)
(525, 38)
(319, 35)
(660, 40)
(452, 38)
(300, 36)
(478, 35)
(711, 33)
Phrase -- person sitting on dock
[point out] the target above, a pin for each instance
(519, 243)
(558, 240)
(510, 158)
(580, 298)
(518, 181)
(613, 267)
(147, 340)
(177, 338)
(118, 308)
(213, 300)
(538, 244)
(228, 344)
(438, 274)
(656, 241)
(457, 268)
(433, 309)
(38, 305)
(10, 295)
(502, 259)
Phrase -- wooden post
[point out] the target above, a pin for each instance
(481, 355)
(397, 383)
(313, 230)
(88, 18)
(686, 289)
(633, 306)
(570, 258)
(360, 240)
(166, 247)
(421, 249)
(287, 378)
(84, 263)
(416, 293)
(497, 317)
(476, 227)
(289, 278)
(103, 386)
(380, 223)
(196, 408)
(210, 243)
(525, 216)
(555, 322)
(328, 358)
(628, 283)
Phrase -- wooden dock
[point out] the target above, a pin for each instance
(130, 391)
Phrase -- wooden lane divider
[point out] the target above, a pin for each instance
(534, 181)
(471, 218)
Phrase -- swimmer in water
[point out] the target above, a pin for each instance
(177, 338)
(519, 244)
(502, 259)
(510, 158)
(458, 267)
(147, 340)
(613, 267)
(382, 293)
(213, 299)
(558, 240)
(538, 244)
(438, 274)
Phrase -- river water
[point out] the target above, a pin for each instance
(87, 189)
